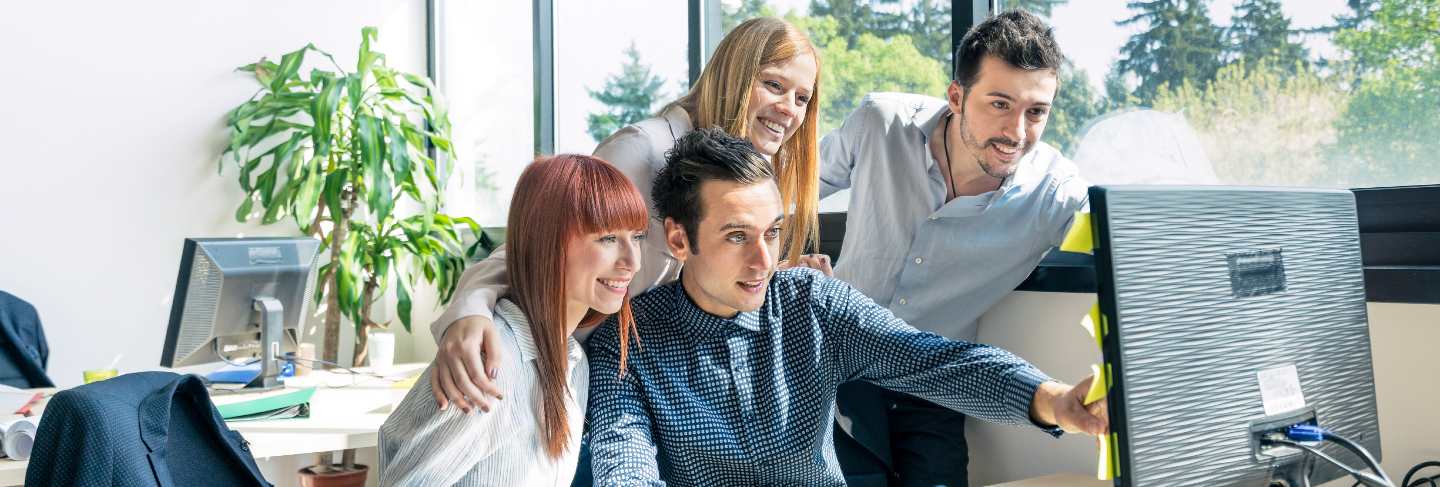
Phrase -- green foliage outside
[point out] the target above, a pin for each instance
(867, 48)
(1268, 110)
(630, 96)
(1391, 126)
(872, 64)
(1265, 124)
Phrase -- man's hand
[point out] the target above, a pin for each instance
(1062, 405)
(819, 262)
(469, 344)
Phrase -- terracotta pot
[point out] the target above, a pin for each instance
(339, 478)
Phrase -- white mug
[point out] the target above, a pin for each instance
(381, 351)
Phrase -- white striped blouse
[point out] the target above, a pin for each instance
(422, 446)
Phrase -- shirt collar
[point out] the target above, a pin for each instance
(704, 325)
(927, 127)
(938, 117)
(524, 336)
(678, 120)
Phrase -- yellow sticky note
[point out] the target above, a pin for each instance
(405, 383)
(1094, 323)
(1103, 464)
(1114, 448)
(1079, 238)
(1098, 385)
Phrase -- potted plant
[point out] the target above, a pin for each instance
(335, 152)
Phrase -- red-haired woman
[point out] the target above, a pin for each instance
(575, 228)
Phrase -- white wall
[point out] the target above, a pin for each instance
(1044, 328)
(112, 125)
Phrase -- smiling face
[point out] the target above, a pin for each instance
(734, 255)
(778, 98)
(598, 270)
(1003, 115)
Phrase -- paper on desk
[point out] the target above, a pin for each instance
(1080, 237)
(17, 436)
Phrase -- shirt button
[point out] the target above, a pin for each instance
(902, 300)
(919, 260)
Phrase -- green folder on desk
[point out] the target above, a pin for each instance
(283, 406)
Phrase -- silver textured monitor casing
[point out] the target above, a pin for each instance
(222, 285)
(1190, 326)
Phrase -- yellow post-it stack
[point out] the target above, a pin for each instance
(1098, 385)
(1080, 238)
(1095, 324)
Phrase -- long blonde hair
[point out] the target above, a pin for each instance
(721, 96)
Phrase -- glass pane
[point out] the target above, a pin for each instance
(486, 72)
(616, 63)
(1332, 93)
(866, 46)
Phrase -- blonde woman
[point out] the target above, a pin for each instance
(763, 84)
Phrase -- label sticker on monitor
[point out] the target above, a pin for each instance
(1256, 272)
(1280, 390)
(265, 255)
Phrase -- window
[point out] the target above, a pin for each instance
(484, 67)
(616, 63)
(1334, 93)
(865, 46)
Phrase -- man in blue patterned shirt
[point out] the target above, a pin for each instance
(733, 379)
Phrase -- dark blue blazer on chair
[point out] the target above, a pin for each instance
(142, 429)
(23, 351)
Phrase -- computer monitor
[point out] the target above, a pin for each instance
(239, 299)
(1208, 292)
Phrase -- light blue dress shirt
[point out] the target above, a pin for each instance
(938, 265)
(750, 400)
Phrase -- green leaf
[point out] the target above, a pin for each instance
(419, 81)
(243, 212)
(264, 70)
(379, 191)
(322, 111)
(265, 184)
(402, 295)
(399, 152)
(348, 272)
(308, 198)
(367, 57)
(249, 168)
(296, 163)
(289, 65)
(333, 192)
(320, 282)
(355, 91)
(280, 205)
(385, 79)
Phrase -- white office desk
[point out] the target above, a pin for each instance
(341, 418)
(1079, 480)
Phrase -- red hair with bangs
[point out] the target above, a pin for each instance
(558, 199)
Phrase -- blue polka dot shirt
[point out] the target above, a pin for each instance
(750, 400)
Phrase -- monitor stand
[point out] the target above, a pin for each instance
(272, 319)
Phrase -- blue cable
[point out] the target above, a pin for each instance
(1311, 433)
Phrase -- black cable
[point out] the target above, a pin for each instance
(1364, 477)
(1360, 452)
(1416, 469)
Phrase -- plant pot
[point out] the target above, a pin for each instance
(337, 478)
